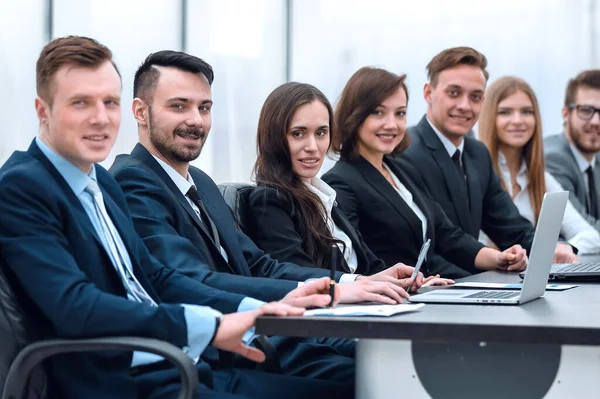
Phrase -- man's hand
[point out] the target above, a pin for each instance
(513, 259)
(234, 325)
(564, 254)
(314, 294)
(366, 290)
(398, 274)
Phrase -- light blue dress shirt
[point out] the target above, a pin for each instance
(200, 320)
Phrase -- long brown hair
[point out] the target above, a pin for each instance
(273, 165)
(533, 151)
(363, 93)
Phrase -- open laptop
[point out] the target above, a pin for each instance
(540, 261)
(587, 271)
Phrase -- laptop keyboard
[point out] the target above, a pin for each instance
(580, 267)
(494, 294)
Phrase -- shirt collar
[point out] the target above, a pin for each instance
(521, 175)
(75, 177)
(322, 190)
(181, 182)
(448, 145)
(582, 162)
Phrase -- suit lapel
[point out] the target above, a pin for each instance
(418, 198)
(456, 188)
(577, 172)
(379, 183)
(76, 206)
(226, 234)
(144, 155)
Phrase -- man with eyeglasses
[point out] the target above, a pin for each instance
(571, 157)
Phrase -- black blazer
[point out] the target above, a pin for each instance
(277, 228)
(390, 228)
(488, 206)
(54, 257)
(172, 231)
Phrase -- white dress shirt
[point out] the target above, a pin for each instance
(408, 198)
(575, 229)
(448, 145)
(327, 196)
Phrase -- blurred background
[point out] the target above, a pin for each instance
(254, 46)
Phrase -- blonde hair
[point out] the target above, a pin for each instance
(533, 151)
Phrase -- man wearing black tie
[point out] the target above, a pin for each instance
(184, 221)
(457, 169)
(571, 156)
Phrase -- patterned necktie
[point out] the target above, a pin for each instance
(135, 291)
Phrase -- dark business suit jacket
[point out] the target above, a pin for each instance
(53, 256)
(171, 229)
(561, 163)
(277, 228)
(390, 228)
(486, 206)
(172, 232)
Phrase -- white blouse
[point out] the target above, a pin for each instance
(408, 198)
(327, 196)
(575, 229)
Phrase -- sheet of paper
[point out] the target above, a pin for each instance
(517, 286)
(365, 310)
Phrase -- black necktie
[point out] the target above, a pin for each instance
(208, 223)
(461, 172)
(458, 164)
(593, 201)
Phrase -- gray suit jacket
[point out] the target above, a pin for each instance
(561, 163)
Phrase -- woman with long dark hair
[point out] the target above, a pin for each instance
(295, 215)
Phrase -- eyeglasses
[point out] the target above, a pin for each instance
(585, 112)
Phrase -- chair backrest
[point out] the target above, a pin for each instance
(236, 196)
(16, 333)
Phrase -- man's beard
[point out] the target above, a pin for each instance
(576, 134)
(160, 141)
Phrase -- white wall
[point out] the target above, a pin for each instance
(543, 41)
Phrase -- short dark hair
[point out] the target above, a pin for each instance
(364, 92)
(589, 78)
(452, 57)
(78, 51)
(147, 76)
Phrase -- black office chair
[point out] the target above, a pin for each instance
(22, 373)
(236, 196)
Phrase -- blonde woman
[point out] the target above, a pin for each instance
(511, 128)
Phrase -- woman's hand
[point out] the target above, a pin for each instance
(437, 281)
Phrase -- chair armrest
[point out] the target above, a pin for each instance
(33, 354)
(272, 362)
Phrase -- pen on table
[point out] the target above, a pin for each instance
(333, 265)
(420, 261)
